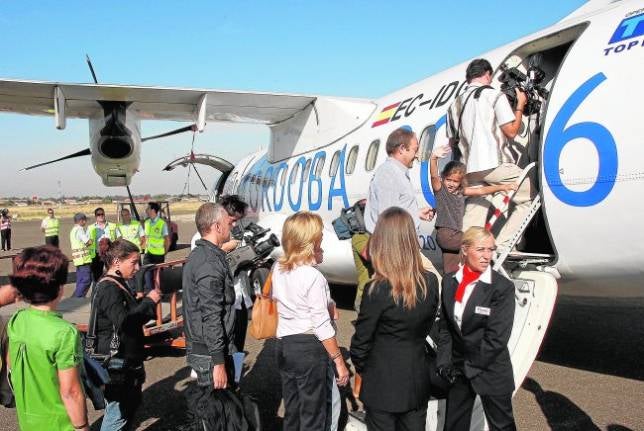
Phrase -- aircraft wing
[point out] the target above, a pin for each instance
(299, 123)
(150, 103)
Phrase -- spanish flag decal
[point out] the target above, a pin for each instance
(385, 115)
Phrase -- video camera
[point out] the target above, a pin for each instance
(529, 83)
(254, 247)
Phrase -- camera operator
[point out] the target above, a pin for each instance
(480, 124)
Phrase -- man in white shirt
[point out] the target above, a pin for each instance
(481, 124)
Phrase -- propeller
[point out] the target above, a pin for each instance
(85, 152)
(190, 128)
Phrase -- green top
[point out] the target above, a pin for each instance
(40, 344)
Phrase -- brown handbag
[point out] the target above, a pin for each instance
(264, 321)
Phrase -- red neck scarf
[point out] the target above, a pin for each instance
(469, 276)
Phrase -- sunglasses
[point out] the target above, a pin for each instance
(100, 214)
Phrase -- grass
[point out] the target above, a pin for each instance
(34, 212)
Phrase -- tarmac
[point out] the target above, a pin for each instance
(589, 374)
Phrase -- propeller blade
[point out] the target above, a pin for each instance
(85, 152)
(91, 68)
(190, 128)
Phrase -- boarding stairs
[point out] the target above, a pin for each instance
(509, 253)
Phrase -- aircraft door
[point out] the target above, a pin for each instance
(214, 162)
(592, 153)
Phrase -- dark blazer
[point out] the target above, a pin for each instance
(480, 347)
(388, 348)
(119, 309)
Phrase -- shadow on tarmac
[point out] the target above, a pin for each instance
(263, 383)
(159, 399)
(562, 414)
(597, 334)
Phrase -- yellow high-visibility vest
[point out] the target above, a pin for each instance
(154, 237)
(52, 226)
(81, 254)
(109, 232)
(130, 232)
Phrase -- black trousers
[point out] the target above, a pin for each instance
(97, 268)
(303, 363)
(241, 325)
(412, 420)
(5, 234)
(52, 240)
(149, 275)
(460, 400)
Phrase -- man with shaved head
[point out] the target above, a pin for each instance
(208, 301)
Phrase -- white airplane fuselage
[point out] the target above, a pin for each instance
(589, 152)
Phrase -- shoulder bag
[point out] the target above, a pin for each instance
(117, 368)
(264, 318)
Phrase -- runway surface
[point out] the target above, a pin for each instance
(589, 374)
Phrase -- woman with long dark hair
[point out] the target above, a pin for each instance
(119, 331)
(45, 355)
(396, 314)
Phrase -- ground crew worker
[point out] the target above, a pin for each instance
(130, 230)
(102, 228)
(157, 240)
(50, 226)
(81, 254)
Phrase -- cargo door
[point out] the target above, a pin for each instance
(217, 163)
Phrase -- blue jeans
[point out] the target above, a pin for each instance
(333, 399)
(83, 280)
(122, 402)
(114, 419)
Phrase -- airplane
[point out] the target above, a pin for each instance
(580, 148)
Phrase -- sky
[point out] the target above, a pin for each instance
(345, 48)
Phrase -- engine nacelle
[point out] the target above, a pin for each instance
(115, 143)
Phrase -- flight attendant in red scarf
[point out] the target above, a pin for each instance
(476, 321)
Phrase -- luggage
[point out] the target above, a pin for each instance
(221, 410)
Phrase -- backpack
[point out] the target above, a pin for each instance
(221, 410)
(351, 221)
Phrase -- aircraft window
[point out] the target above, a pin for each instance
(372, 155)
(428, 140)
(351, 159)
(283, 177)
(305, 173)
(294, 173)
(319, 166)
(335, 161)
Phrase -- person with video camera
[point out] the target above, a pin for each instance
(480, 125)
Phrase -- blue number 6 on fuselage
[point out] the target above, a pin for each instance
(560, 134)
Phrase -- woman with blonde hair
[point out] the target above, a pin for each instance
(476, 322)
(396, 315)
(307, 346)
